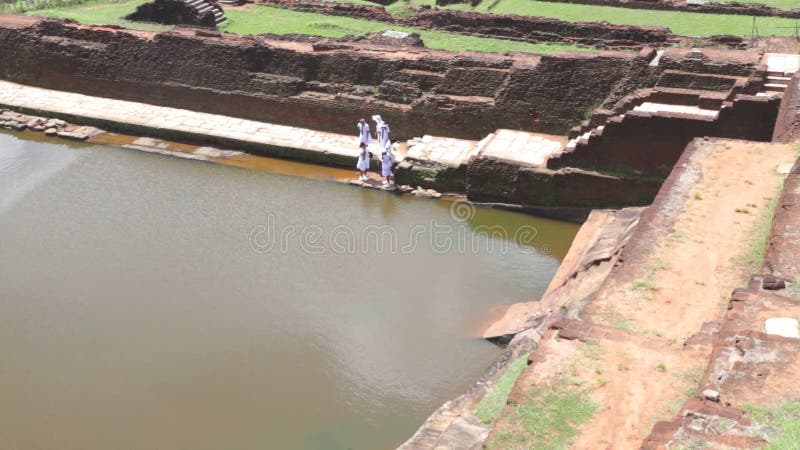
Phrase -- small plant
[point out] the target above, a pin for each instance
(623, 324)
(698, 196)
(622, 367)
(592, 351)
(661, 368)
(742, 211)
(644, 284)
(659, 264)
(652, 331)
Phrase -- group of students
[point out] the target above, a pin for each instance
(382, 134)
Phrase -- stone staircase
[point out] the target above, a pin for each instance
(202, 6)
(593, 133)
(780, 68)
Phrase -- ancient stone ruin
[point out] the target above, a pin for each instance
(204, 13)
(640, 126)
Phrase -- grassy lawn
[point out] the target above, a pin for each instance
(263, 19)
(101, 13)
(689, 24)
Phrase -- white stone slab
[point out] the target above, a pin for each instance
(781, 62)
(395, 34)
(666, 107)
(784, 168)
(783, 326)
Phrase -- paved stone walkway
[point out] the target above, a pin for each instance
(517, 147)
(159, 117)
(523, 148)
(447, 151)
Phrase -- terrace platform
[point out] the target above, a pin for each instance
(516, 147)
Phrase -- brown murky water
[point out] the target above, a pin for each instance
(148, 302)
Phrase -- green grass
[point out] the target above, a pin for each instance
(784, 421)
(689, 24)
(756, 248)
(262, 19)
(548, 418)
(490, 407)
(101, 13)
(23, 6)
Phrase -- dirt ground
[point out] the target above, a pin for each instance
(645, 325)
(690, 272)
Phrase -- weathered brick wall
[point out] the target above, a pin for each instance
(688, 80)
(491, 180)
(331, 8)
(738, 63)
(551, 91)
(539, 29)
(787, 125)
(263, 78)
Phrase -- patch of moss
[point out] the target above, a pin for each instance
(549, 418)
(783, 420)
(490, 407)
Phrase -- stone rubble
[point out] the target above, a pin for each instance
(15, 121)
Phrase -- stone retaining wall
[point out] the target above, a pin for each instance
(540, 29)
(331, 8)
(320, 86)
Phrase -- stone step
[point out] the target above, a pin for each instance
(777, 78)
(775, 87)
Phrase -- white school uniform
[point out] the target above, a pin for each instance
(364, 135)
(386, 164)
(363, 160)
(382, 132)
